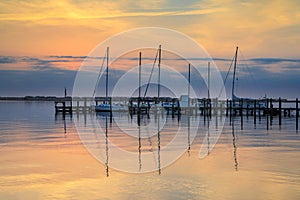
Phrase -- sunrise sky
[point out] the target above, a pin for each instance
(44, 42)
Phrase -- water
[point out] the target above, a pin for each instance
(43, 157)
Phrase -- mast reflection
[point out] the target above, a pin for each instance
(189, 135)
(106, 145)
(234, 146)
(158, 147)
(140, 143)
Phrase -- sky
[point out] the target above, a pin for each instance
(43, 43)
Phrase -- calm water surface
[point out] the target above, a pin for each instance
(42, 157)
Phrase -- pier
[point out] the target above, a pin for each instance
(269, 108)
(203, 107)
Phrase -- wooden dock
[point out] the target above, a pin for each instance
(69, 105)
(203, 107)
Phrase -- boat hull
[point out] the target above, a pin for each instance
(103, 108)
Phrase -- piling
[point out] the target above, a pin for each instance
(267, 109)
(227, 107)
(247, 111)
(196, 107)
(279, 111)
(179, 111)
(77, 107)
(110, 103)
(84, 105)
(254, 112)
(173, 108)
(259, 114)
(230, 104)
(210, 107)
(241, 106)
(271, 111)
(297, 113)
(241, 114)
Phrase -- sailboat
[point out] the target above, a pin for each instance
(105, 105)
(250, 103)
(144, 104)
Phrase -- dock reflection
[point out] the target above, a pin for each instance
(143, 143)
(63, 118)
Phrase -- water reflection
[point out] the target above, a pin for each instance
(188, 137)
(106, 145)
(63, 117)
(208, 136)
(42, 157)
(166, 127)
(139, 149)
(234, 146)
(151, 133)
(158, 147)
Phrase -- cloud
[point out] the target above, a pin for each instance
(47, 77)
(70, 62)
(22, 83)
(39, 63)
(66, 9)
(267, 61)
(294, 68)
(69, 57)
(7, 59)
(46, 27)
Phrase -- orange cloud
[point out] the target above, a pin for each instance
(72, 27)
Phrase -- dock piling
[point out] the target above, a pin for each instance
(254, 112)
(279, 101)
(297, 113)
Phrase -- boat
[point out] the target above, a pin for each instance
(106, 106)
(169, 105)
(145, 105)
(246, 102)
(103, 107)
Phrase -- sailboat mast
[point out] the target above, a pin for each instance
(106, 85)
(140, 70)
(159, 61)
(189, 85)
(234, 70)
(208, 80)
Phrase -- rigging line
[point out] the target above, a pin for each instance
(100, 71)
(226, 77)
(237, 73)
(252, 78)
(246, 72)
(151, 73)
